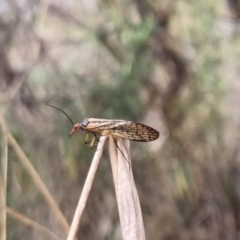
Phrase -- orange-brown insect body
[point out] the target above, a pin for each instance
(117, 128)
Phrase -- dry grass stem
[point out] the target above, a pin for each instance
(3, 183)
(39, 183)
(86, 189)
(27, 221)
(127, 197)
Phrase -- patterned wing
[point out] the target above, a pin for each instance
(134, 131)
(121, 129)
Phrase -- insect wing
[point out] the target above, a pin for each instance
(122, 129)
(134, 131)
(100, 125)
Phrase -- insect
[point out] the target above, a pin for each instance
(115, 128)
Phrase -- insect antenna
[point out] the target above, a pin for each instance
(60, 111)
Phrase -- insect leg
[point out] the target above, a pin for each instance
(92, 142)
(96, 138)
(86, 139)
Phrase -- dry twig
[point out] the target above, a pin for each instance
(127, 198)
(27, 221)
(86, 189)
(3, 183)
(38, 181)
(126, 192)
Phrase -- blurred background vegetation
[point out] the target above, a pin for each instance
(173, 65)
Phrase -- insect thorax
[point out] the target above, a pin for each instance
(85, 123)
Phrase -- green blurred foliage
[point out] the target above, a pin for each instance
(108, 60)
